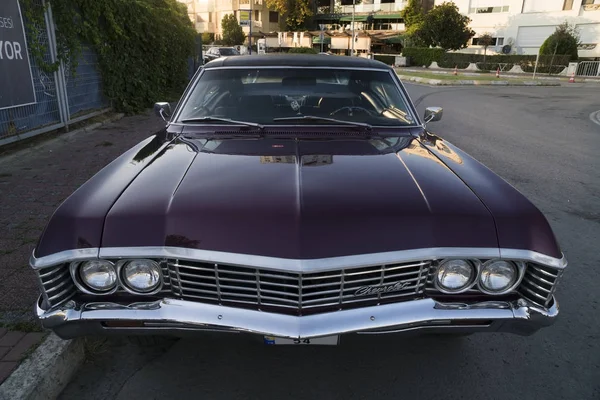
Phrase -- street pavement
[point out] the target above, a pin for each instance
(541, 140)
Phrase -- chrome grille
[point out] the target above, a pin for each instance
(539, 284)
(57, 285)
(295, 293)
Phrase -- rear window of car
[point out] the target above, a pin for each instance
(228, 52)
(263, 94)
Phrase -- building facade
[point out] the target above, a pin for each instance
(521, 26)
(207, 15)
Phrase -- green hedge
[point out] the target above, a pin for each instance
(302, 50)
(420, 56)
(142, 46)
(389, 60)
(425, 56)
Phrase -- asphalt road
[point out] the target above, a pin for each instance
(541, 140)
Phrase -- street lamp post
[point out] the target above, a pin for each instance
(353, 10)
(250, 35)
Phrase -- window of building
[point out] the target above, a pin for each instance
(495, 41)
(486, 10)
(256, 15)
(586, 2)
(209, 17)
(384, 1)
(273, 16)
(198, 18)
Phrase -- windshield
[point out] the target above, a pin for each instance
(279, 95)
(228, 52)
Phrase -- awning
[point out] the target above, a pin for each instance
(357, 18)
(328, 17)
(393, 40)
(317, 40)
(387, 16)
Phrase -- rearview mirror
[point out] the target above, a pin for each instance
(433, 114)
(163, 110)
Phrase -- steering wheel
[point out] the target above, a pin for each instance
(351, 109)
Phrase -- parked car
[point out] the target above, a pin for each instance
(215, 52)
(298, 198)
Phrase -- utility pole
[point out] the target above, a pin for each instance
(353, 10)
(322, 35)
(250, 35)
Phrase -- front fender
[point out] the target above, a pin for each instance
(79, 220)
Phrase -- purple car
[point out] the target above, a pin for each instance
(297, 198)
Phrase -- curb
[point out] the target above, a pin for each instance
(470, 82)
(45, 373)
(60, 137)
(446, 72)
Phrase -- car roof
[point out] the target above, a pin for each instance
(296, 60)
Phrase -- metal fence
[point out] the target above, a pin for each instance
(588, 68)
(62, 98)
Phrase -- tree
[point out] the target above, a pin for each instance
(232, 31)
(208, 37)
(444, 26)
(485, 40)
(564, 40)
(413, 16)
(296, 12)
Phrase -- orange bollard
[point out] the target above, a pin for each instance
(572, 78)
(498, 73)
(456, 70)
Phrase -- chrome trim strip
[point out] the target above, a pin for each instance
(521, 317)
(287, 264)
(63, 257)
(533, 256)
(295, 265)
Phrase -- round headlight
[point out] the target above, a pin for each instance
(497, 276)
(142, 276)
(455, 275)
(99, 275)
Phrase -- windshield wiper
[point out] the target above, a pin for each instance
(218, 119)
(315, 118)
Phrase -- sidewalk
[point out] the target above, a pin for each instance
(14, 346)
(34, 181)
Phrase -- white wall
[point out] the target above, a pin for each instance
(543, 14)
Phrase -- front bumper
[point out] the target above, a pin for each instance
(178, 317)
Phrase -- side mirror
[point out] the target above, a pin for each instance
(433, 114)
(163, 110)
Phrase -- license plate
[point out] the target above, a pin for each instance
(320, 341)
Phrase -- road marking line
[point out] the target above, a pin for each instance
(595, 117)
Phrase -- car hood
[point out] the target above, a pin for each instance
(299, 199)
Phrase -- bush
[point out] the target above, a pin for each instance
(490, 66)
(422, 55)
(302, 50)
(389, 60)
(138, 65)
(564, 40)
(425, 56)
